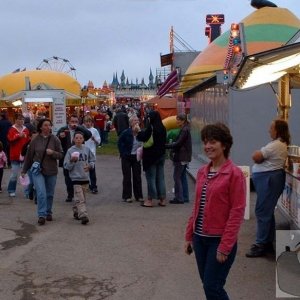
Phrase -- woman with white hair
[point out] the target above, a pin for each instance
(131, 167)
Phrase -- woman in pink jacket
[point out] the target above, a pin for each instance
(218, 212)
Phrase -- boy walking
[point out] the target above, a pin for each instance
(78, 161)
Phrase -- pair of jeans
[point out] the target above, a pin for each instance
(156, 179)
(16, 167)
(105, 137)
(185, 186)
(180, 181)
(69, 184)
(1, 176)
(131, 169)
(44, 186)
(268, 186)
(28, 190)
(212, 273)
(93, 179)
(80, 200)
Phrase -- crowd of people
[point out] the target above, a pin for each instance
(220, 193)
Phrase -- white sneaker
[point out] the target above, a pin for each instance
(129, 200)
(12, 194)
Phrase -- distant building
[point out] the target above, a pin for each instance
(126, 91)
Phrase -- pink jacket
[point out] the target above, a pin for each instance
(225, 205)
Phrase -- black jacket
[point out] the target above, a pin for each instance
(182, 147)
(152, 154)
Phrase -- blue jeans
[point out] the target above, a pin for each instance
(44, 186)
(268, 186)
(212, 273)
(16, 166)
(156, 180)
(93, 179)
(185, 186)
(180, 180)
(29, 188)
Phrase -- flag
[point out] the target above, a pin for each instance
(170, 83)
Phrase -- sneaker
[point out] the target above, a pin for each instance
(75, 215)
(0, 190)
(31, 194)
(139, 200)
(129, 200)
(12, 194)
(49, 218)
(84, 220)
(69, 199)
(256, 251)
(175, 201)
(41, 221)
(94, 191)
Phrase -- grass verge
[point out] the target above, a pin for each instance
(111, 148)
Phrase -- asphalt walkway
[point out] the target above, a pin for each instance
(125, 252)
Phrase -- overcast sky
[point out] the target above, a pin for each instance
(101, 37)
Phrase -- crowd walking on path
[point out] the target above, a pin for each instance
(220, 193)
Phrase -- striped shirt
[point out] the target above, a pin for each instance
(199, 222)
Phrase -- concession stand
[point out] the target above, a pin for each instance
(282, 65)
(42, 103)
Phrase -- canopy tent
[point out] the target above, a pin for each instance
(265, 29)
(166, 106)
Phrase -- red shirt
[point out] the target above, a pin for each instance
(224, 207)
(100, 120)
(16, 142)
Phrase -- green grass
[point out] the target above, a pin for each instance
(111, 148)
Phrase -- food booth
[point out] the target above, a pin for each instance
(282, 64)
(41, 103)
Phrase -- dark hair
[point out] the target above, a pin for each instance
(1, 146)
(219, 132)
(40, 124)
(78, 132)
(3, 115)
(73, 116)
(155, 119)
(19, 116)
(282, 130)
(181, 117)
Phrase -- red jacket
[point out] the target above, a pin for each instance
(16, 142)
(224, 207)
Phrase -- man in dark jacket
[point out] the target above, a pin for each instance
(181, 155)
(121, 120)
(5, 124)
(65, 135)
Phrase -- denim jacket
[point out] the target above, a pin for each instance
(224, 207)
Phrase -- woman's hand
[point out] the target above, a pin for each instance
(23, 174)
(49, 151)
(188, 248)
(221, 258)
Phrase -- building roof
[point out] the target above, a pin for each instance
(15, 82)
(265, 29)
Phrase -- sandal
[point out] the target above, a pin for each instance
(147, 203)
(162, 202)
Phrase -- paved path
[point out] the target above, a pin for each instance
(125, 252)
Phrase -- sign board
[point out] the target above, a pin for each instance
(246, 172)
(56, 98)
(166, 60)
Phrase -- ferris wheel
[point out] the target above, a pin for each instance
(57, 64)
